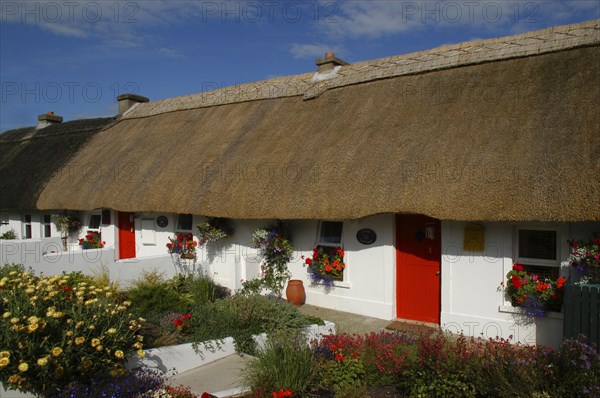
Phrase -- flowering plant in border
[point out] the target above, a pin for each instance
(56, 330)
(326, 265)
(92, 240)
(182, 244)
(535, 295)
(585, 258)
(276, 250)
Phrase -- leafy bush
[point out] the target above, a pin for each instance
(153, 301)
(9, 235)
(578, 368)
(285, 363)
(241, 317)
(386, 355)
(57, 332)
(6, 269)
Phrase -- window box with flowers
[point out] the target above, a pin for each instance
(326, 265)
(92, 240)
(535, 295)
(182, 246)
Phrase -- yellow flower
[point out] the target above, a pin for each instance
(111, 331)
(42, 361)
(95, 342)
(79, 324)
(23, 367)
(141, 353)
(29, 290)
(119, 354)
(32, 328)
(33, 320)
(56, 351)
(14, 320)
(4, 354)
(4, 362)
(6, 315)
(137, 346)
(79, 340)
(69, 333)
(14, 379)
(99, 348)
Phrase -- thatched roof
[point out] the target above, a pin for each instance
(502, 129)
(30, 157)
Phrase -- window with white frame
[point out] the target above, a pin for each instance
(184, 223)
(330, 233)
(94, 222)
(537, 249)
(47, 226)
(27, 226)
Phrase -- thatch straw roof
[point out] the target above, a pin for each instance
(502, 129)
(30, 157)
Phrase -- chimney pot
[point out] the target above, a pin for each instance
(329, 62)
(127, 101)
(47, 119)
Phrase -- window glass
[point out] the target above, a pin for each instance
(95, 221)
(537, 244)
(47, 226)
(331, 232)
(27, 227)
(184, 222)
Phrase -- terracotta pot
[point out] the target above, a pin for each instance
(188, 256)
(295, 292)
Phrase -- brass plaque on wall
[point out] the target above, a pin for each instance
(474, 238)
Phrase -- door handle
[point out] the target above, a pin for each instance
(437, 273)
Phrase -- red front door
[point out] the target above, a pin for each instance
(126, 235)
(418, 267)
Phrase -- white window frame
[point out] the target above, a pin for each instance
(330, 244)
(345, 282)
(187, 231)
(46, 225)
(537, 261)
(26, 225)
(92, 214)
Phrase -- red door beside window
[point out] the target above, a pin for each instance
(418, 267)
(126, 235)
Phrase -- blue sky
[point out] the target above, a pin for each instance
(74, 57)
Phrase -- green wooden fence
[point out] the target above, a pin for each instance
(582, 311)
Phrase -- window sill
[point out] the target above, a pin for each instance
(343, 285)
(509, 309)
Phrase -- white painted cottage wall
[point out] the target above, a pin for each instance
(473, 302)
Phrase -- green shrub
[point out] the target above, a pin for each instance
(241, 317)
(284, 363)
(154, 301)
(578, 364)
(6, 269)
(54, 332)
(198, 289)
(9, 235)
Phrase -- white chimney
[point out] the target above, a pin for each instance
(47, 119)
(126, 101)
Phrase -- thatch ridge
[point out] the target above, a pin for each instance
(449, 56)
(513, 140)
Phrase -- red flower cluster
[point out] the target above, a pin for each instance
(523, 287)
(327, 262)
(92, 241)
(282, 393)
(182, 323)
(184, 244)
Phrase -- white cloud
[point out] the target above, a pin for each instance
(170, 53)
(379, 18)
(314, 50)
